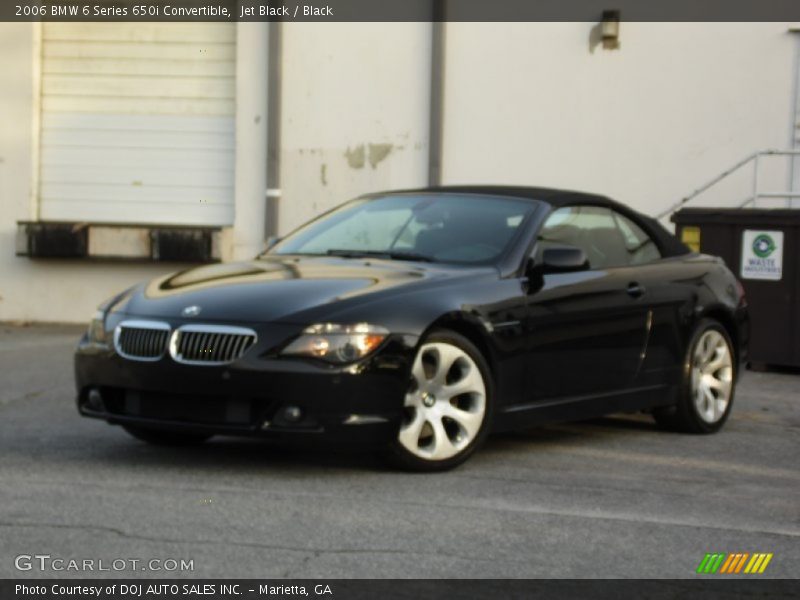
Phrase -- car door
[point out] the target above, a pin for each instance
(587, 330)
(669, 292)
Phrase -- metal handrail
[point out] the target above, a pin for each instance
(756, 194)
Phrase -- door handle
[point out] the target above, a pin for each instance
(635, 290)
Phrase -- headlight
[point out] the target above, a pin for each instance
(97, 328)
(337, 343)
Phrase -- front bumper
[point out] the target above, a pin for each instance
(254, 396)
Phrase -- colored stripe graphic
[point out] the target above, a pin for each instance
(741, 562)
(710, 563)
(701, 568)
(754, 563)
(764, 564)
(726, 566)
(759, 563)
(733, 563)
(718, 563)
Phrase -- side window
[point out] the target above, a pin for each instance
(608, 238)
(641, 248)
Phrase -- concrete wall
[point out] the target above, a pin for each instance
(678, 103)
(355, 101)
(524, 103)
(40, 290)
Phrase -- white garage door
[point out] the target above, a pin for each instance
(138, 123)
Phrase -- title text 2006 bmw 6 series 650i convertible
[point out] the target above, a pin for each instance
(421, 321)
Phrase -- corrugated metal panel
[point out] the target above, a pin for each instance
(138, 122)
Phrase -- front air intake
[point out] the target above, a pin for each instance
(210, 344)
(141, 340)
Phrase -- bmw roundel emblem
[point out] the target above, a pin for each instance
(191, 311)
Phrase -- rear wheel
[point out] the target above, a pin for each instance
(165, 437)
(448, 405)
(706, 395)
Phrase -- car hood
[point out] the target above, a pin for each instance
(279, 288)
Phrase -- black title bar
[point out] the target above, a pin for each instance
(412, 589)
(398, 10)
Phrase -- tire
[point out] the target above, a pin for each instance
(708, 383)
(449, 405)
(166, 437)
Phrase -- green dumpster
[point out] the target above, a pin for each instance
(761, 247)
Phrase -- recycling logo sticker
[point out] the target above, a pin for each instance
(762, 255)
(763, 245)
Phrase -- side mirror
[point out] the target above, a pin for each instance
(564, 259)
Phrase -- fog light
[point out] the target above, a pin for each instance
(94, 399)
(292, 414)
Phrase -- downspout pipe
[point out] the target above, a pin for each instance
(436, 123)
(274, 79)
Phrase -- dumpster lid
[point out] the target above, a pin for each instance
(738, 216)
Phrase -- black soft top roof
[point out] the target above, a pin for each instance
(667, 243)
(552, 196)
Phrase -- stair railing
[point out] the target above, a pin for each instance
(757, 193)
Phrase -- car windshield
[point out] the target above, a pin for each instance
(451, 228)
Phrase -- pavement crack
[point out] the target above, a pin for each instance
(507, 507)
(28, 396)
(302, 564)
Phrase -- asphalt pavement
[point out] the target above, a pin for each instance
(613, 497)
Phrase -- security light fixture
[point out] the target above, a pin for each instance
(609, 29)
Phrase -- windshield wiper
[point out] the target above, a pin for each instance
(392, 254)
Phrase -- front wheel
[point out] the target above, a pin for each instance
(448, 405)
(165, 437)
(706, 395)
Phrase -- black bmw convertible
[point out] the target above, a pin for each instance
(420, 321)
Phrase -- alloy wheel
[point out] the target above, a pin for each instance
(712, 376)
(445, 405)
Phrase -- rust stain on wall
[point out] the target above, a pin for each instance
(358, 156)
(355, 157)
(378, 153)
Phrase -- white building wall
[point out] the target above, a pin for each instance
(355, 110)
(678, 103)
(40, 290)
(252, 100)
(524, 104)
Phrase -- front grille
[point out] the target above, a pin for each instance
(141, 340)
(210, 344)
